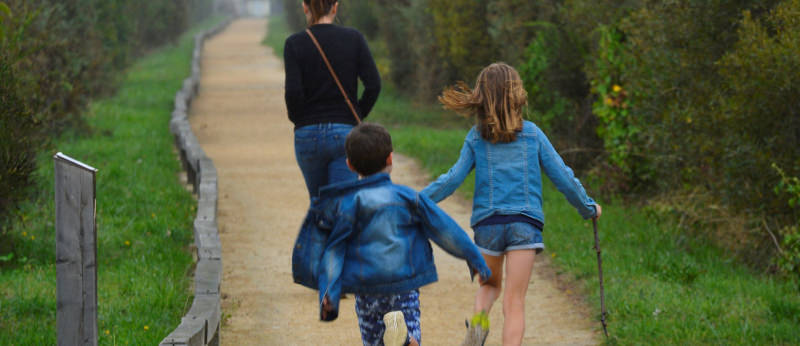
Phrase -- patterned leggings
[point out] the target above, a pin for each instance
(370, 309)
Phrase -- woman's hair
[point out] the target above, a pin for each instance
(319, 8)
(496, 101)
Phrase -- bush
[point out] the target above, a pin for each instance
(55, 55)
(460, 30)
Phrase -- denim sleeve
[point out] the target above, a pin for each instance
(330, 272)
(448, 182)
(447, 234)
(563, 178)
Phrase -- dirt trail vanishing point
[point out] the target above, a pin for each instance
(240, 120)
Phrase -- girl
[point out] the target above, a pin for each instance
(508, 155)
(316, 106)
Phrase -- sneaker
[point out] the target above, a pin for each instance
(396, 333)
(477, 330)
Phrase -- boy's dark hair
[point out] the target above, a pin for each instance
(367, 146)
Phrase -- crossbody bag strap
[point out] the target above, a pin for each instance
(333, 74)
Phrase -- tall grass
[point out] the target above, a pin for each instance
(662, 285)
(144, 216)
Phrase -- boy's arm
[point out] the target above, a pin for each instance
(445, 232)
(564, 179)
(330, 272)
(450, 181)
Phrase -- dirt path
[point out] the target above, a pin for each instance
(240, 120)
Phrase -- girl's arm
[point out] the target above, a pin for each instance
(294, 93)
(564, 179)
(368, 73)
(450, 181)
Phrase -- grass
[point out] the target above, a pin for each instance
(144, 217)
(277, 32)
(662, 285)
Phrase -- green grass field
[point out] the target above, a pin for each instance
(662, 286)
(144, 217)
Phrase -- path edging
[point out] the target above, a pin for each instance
(201, 324)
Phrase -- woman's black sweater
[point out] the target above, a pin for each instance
(312, 96)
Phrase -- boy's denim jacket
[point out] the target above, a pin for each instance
(508, 177)
(379, 239)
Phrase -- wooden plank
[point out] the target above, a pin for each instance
(76, 252)
(207, 277)
(208, 190)
(190, 332)
(207, 239)
(207, 308)
(180, 101)
(206, 209)
(208, 172)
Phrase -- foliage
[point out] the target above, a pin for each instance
(509, 22)
(788, 259)
(618, 127)
(460, 30)
(295, 18)
(5, 13)
(546, 104)
(57, 55)
(361, 15)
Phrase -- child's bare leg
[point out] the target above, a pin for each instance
(490, 290)
(519, 264)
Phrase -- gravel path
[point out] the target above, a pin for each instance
(240, 120)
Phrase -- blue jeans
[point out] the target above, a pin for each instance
(319, 150)
(496, 240)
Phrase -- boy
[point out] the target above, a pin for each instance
(378, 247)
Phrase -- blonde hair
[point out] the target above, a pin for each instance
(496, 101)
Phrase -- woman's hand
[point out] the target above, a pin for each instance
(599, 210)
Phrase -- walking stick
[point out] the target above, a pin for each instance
(600, 271)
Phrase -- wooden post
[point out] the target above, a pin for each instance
(76, 252)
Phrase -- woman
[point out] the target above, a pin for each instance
(316, 106)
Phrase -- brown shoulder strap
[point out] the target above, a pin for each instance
(335, 78)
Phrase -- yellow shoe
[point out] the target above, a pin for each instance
(477, 330)
(396, 332)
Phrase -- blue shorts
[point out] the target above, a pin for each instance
(495, 240)
(370, 309)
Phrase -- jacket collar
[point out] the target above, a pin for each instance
(338, 189)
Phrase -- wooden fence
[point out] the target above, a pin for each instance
(200, 326)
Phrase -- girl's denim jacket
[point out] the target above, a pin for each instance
(379, 239)
(508, 177)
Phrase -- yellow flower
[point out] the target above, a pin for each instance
(689, 120)
(127, 243)
(108, 332)
(616, 88)
(24, 234)
(153, 215)
(33, 237)
(146, 328)
(609, 101)
(553, 254)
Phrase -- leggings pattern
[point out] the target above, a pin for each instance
(370, 309)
